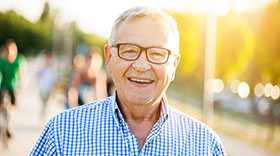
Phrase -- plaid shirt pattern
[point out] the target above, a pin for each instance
(99, 129)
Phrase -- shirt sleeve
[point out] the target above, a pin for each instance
(21, 58)
(46, 143)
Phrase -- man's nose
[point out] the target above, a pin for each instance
(141, 64)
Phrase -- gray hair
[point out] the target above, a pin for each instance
(138, 12)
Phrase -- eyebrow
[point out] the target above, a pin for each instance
(152, 46)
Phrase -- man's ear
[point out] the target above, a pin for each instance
(108, 55)
(175, 64)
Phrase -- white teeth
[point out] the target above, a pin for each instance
(142, 81)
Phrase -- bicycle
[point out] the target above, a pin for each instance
(5, 101)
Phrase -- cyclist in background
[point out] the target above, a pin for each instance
(12, 71)
(89, 79)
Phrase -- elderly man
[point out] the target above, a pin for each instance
(142, 56)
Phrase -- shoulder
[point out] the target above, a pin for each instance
(195, 130)
(193, 126)
(2, 60)
(21, 57)
(180, 116)
(84, 113)
(69, 125)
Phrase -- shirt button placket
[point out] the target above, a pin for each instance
(130, 143)
(129, 137)
(133, 145)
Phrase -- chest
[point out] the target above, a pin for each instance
(102, 142)
(106, 137)
(141, 132)
(9, 67)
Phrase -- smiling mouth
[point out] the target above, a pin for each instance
(142, 81)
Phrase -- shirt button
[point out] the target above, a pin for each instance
(129, 137)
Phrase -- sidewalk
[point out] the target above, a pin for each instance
(237, 147)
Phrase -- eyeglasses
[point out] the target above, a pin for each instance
(132, 52)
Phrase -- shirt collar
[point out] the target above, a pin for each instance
(164, 112)
(118, 117)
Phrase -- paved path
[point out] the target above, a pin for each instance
(237, 147)
(28, 126)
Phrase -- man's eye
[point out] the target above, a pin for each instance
(158, 54)
(130, 51)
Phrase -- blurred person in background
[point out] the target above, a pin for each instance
(47, 79)
(88, 80)
(142, 56)
(13, 73)
(2, 51)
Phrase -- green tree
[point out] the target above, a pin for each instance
(191, 68)
(45, 16)
(235, 46)
(268, 44)
(27, 35)
(88, 39)
(191, 34)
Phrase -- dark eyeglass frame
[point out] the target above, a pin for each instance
(142, 49)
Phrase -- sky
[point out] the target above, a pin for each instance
(97, 16)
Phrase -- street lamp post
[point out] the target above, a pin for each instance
(209, 68)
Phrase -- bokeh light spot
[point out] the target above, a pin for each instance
(217, 85)
(243, 90)
(234, 85)
(268, 89)
(259, 90)
(275, 92)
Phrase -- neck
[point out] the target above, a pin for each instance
(140, 118)
(140, 113)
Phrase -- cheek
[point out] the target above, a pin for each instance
(164, 73)
(171, 73)
(118, 67)
(113, 65)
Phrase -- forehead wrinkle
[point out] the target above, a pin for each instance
(127, 25)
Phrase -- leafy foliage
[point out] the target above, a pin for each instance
(191, 34)
(235, 46)
(28, 36)
(32, 38)
(268, 44)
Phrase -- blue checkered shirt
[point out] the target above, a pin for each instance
(100, 129)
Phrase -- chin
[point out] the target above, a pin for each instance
(140, 99)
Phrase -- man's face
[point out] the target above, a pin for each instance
(12, 51)
(141, 82)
